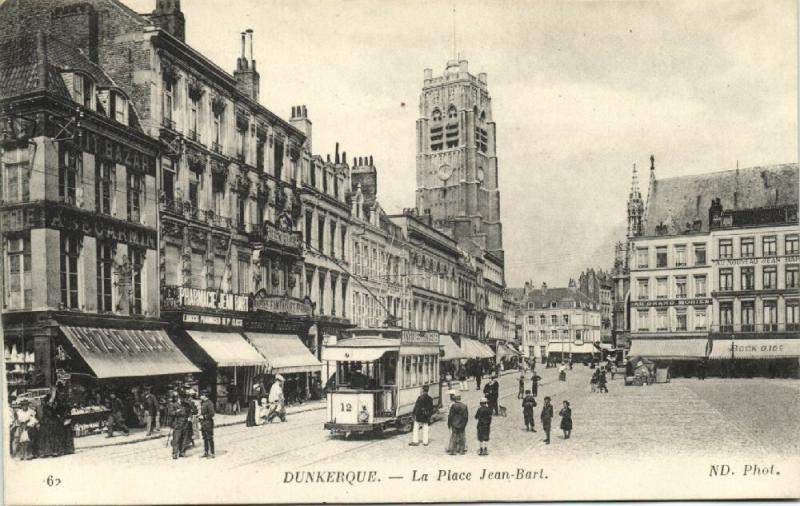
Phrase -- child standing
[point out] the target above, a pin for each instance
(528, 403)
(566, 419)
(26, 420)
(484, 417)
(521, 393)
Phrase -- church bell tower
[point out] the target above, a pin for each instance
(456, 159)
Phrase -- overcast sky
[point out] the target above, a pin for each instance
(581, 91)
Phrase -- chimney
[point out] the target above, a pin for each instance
(247, 78)
(300, 121)
(168, 17)
(544, 288)
(336, 158)
(573, 287)
(76, 25)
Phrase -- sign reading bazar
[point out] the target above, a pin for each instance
(283, 238)
(417, 337)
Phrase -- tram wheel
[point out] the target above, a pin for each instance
(407, 426)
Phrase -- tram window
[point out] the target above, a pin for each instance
(390, 371)
(407, 380)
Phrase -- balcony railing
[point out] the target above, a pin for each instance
(167, 123)
(755, 328)
(216, 147)
(194, 136)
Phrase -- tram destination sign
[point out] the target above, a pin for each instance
(417, 337)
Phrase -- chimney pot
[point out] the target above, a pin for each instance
(370, 161)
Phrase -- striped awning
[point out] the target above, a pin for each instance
(284, 352)
(227, 349)
(128, 353)
(755, 348)
(571, 347)
(451, 349)
(475, 349)
(670, 349)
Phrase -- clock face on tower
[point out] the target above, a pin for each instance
(480, 174)
(445, 171)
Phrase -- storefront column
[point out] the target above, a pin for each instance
(44, 355)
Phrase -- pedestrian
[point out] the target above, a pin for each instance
(151, 411)
(179, 419)
(478, 376)
(521, 392)
(601, 381)
(492, 393)
(701, 369)
(593, 381)
(546, 417)
(277, 401)
(191, 414)
(457, 423)
(610, 367)
(566, 419)
(570, 363)
(116, 420)
(535, 383)
(26, 422)
(528, 403)
(207, 413)
(253, 407)
(628, 368)
(233, 399)
(484, 417)
(423, 410)
(195, 402)
(562, 372)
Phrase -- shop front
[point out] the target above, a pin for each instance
(452, 364)
(682, 357)
(756, 357)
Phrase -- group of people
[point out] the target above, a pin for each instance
(41, 430)
(184, 417)
(458, 415)
(263, 409)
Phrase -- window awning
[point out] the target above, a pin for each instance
(571, 347)
(670, 349)
(127, 353)
(285, 353)
(475, 349)
(451, 349)
(755, 348)
(506, 350)
(227, 349)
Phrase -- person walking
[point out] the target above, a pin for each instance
(116, 420)
(528, 403)
(277, 402)
(562, 372)
(207, 413)
(423, 410)
(521, 392)
(478, 376)
(566, 419)
(253, 407)
(484, 417)
(546, 417)
(151, 411)
(492, 393)
(535, 383)
(457, 423)
(233, 399)
(601, 381)
(179, 419)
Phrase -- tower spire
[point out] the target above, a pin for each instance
(635, 207)
(455, 52)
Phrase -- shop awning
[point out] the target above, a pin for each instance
(227, 349)
(568, 347)
(451, 349)
(755, 348)
(670, 349)
(127, 353)
(285, 353)
(475, 349)
(504, 350)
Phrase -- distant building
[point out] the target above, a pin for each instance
(598, 286)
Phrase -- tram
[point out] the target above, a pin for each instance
(376, 378)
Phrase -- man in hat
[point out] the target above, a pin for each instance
(207, 413)
(528, 403)
(484, 417)
(191, 413)
(179, 417)
(276, 400)
(457, 422)
(116, 419)
(151, 410)
(547, 417)
(423, 410)
(492, 393)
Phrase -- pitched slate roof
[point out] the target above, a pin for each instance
(676, 203)
(563, 297)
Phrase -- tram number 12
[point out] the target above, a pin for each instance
(346, 407)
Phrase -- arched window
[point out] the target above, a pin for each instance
(437, 115)
(452, 113)
(481, 142)
(451, 131)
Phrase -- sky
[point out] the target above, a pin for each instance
(581, 91)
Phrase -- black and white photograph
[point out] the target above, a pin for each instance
(406, 251)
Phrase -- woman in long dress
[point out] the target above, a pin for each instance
(51, 432)
(253, 407)
(566, 419)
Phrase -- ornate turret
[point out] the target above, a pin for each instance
(635, 207)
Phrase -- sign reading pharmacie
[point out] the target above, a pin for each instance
(417, 337)
(181, 297)
(730, 262)
(671, 302)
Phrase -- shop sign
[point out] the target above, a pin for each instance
(103, 147)
(284, 238)
(419, 337)
(283, 304)
(729, 262)
(226, 321)
(178, 297)
(673, 302)
(755, 348)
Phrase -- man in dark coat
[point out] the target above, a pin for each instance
(478, 376)
(207, 413)
(492, 393)
(535, 385)
(191, 410)
(116, 420)
(457, 422)
(423, 411)
(151, 411)
(547, 417)
(179, 419)
(528, 403)
(484, 417)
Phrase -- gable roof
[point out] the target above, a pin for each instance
(563, 297)
(676, 203)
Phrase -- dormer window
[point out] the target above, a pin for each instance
(119, 107)
(83, 90)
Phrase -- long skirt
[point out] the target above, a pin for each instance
(252, 414)
(458, 442)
